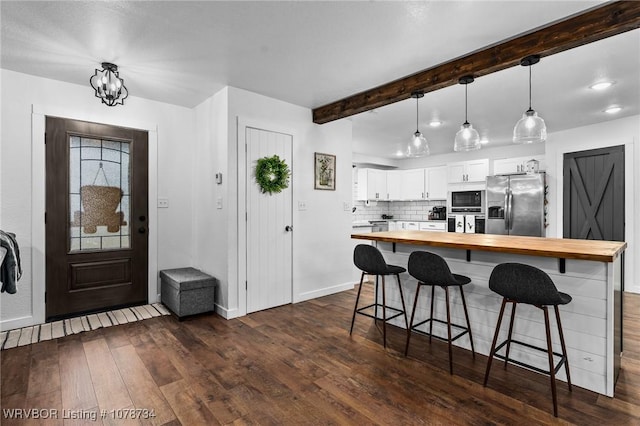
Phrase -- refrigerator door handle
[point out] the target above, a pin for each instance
(510, 210)
(506, 208)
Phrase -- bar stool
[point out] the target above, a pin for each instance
(432, 270)
(518, 283)
(370, 261)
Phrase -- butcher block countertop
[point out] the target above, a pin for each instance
(564, 248)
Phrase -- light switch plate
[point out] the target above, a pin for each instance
(302, 205)
(163, 203)
(219, 203)
(346, 206)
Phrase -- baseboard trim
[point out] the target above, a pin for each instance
(323, 292)
(226, 313)
(14, 323)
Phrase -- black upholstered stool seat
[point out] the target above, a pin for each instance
(519, 283)
(432, 270)
(370, 261)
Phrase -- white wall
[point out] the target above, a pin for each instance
(321, 244)
(175, 143)
(625, 131)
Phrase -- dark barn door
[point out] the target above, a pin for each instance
(96, 217)
(594, 194)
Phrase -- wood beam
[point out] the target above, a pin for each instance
(592, 25)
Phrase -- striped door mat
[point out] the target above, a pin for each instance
(53, 330)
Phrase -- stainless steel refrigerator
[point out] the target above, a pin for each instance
(515, 205)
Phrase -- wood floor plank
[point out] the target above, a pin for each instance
(188, 406)
(44, 374)
(111, 392)
(75, 378)
(14, 367)
(143, 391)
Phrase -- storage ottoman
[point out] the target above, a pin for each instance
(187, 291)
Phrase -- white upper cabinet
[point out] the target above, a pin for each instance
(468, 171)
(516, 165)
(435, 183)
(412, 184)
(372, 184)
(394, 185)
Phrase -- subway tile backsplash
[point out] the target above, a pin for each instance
(402, 210)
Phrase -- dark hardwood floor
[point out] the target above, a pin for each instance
(293, 365)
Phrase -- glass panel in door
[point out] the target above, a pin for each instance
(99, 195)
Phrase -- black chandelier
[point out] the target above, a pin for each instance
(108, 85)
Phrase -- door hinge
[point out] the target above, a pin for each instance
(246, 285)
(45, 217)
(246, 216)
(45, 297)
(45, 138)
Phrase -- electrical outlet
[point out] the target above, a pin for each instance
(163, 203)
(302, 205)
(219, 203)
(346, 206)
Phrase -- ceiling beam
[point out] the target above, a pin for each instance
(592, 25)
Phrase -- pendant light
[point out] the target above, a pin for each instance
(418, 145)
(467, 138)
(530, 128)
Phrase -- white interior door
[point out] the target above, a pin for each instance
(269, 243)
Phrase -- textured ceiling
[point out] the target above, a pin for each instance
(311, 53)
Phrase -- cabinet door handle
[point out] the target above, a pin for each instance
(423, 195)
(427, 195)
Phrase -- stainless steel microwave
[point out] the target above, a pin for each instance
(467, 201)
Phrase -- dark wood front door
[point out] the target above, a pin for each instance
(594, 194)
(96, 217)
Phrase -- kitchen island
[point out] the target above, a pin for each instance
(590, 271)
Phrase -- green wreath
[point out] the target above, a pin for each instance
(272, 174)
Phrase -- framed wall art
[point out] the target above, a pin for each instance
(325, 171)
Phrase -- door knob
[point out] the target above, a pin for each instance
(288, 228)
(142, 230)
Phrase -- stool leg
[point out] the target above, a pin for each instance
(495, 340)
(564, 348)
(355, 308)
(433, 293)
(466, 315)
(513, 315)
(404, 309)
(375, 300)
(446, 295)
(384, 315)
(552, 372)
(413, 314)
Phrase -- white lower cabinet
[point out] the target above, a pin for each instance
(433, 226)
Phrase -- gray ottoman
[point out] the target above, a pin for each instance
(187, 291)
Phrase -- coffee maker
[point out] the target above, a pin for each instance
(439, 213)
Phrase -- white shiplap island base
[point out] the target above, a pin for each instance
(592, 276)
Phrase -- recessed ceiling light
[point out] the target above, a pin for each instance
(601, 85)
(435, 123)
(484, 141)
(613, 109)
(399, 153)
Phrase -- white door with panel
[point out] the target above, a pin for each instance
(269, 226)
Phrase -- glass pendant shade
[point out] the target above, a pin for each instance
(467, 138)
(108, 85)
(530, 129)
(418, 145)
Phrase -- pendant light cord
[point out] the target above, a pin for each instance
(466, 101)
(417, 130)
(529, 86)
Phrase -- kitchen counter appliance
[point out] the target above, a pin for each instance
(515, 205)
(439, 213)
(467, 201)
(379, 225)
